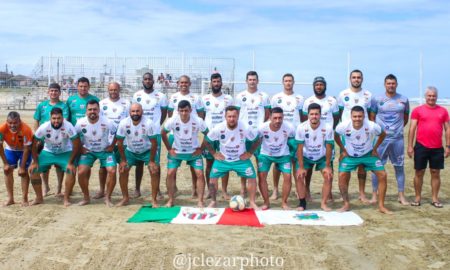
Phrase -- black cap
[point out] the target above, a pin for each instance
(319, 79)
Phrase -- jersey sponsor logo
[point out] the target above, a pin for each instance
(346, 98)
(244, 99)
(139, 99)
(48, 135)
(105, 108)
(222, 136)
(208, 103)
(84, 130)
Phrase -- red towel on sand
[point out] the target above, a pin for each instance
(246, 217)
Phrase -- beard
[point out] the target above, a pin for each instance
(136, 117)
(147, 88)
(216, 90)
(320, 94)
(57, 126)
(93, 116)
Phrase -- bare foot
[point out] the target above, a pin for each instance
(201, 204)
(136, 194)
(169, 203)
(99, 195)
(265, 206)
(8, 203)
(25, 203)
(45, 191)
(363, 199)
(384, 210)
(84, 202)
(161, 196)
(325, 208)
(274, 195)
(123, 202)
(308, 197)
(59, 195)
(226, 196)
(344, 208)
(194, 194)
(300, 209)
(373, 200)
(37, 201)
(108, 202)
(403, 201)
(254, 206)
(155, 204)
(212, 204)
(67, 203)
(285, 206)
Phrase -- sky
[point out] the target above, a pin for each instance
(305, 38)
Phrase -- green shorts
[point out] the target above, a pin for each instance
(244, 168)
(206, 154)
(292, 143)
(47, 159)
(282, 163)
(370, 163)
(134, 159)
(195, 162)
(158, 151)
(320, 164)
(106, 159)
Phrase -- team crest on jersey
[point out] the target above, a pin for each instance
(139, 99)
(222, 136)
(232, 139)
(48, 136)
(208, 103)
(217, 104)
(244, 99)
(307, 135)
(356, 100)
(266, 136)
(358, 137)
(186, 131)
(84, 130)
(276, 139)
(177, 128)
(175, 101)
(105, 108)
(288, 103)
(57, 137)
(136, 133)
(94, 132)
(114, 109)
(346, 98)
(147, 101)
(314, 138)
(279, 101)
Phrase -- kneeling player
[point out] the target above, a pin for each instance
(356, 150)
(61, 147)
(315, 146)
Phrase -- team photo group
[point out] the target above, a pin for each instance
(216, 134)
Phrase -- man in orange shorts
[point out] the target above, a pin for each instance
(18, 138)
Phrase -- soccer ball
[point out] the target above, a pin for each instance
(237, 203)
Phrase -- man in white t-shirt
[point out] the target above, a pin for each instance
(355, 95)
(315, 146)
(356, 140)
(292, 105)
(215, 104)
(254, 106)
(186, 147)
(232, 137)
(154, 106)
(95, 131)
(139, 134)
(114, 108)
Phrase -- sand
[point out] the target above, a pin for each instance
(50, 236)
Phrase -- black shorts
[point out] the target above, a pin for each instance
(423, 155)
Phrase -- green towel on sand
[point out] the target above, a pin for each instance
(160, 215)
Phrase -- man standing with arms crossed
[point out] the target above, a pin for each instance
(42, 115)
(315, 147)
(427, 123)
(348, 98)
(154, 106)
(232, 155)
(254, 108)
(391, 111)
(329, 115)
(61, 147)
(115, 109)
(140, 133)
(292, 107)
(94, 131)
(215, 104)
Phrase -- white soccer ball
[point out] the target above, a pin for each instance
(237, 203)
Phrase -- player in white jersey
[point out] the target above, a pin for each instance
(391, 111)
(329, 115)
(94, 131)
(274, 136)
(186, 146)
(154, 105)
(348, 98)
(215, 104)
(138, 133)
(115, 108)
(61, 147)
(232, 154)
(356, 140)
(315, 147)
(254, 106)
(292, 105)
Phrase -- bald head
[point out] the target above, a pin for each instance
(136, 111)
(114, 91)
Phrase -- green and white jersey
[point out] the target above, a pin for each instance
(215, 109)
(115, 111)
(292, 107)
(42, 113)
(314, 140)
(95, 137)
(56, 141)
(252, 107)
(328, 108)
(185, 135)
(232, 141)
(275, 143)
(152, 104)
(137, 137)
(348, 99)
(196, 102)
(77, 106)
(358, 142)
